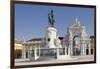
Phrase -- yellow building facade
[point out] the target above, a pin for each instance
(18, 49)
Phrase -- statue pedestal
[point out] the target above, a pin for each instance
(52, 41)
(51, 35)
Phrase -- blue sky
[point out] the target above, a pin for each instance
(31, 21)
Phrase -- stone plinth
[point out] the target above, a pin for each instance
(51, 35)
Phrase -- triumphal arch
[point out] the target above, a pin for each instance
(76, 39)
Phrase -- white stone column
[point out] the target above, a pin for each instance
(28, 52)
(35, 54)
(84, 49)
(65, 51)
(89, 48)
(57, 52)
(70, 52)
(39, 51)
(23, 52)
(70, 49)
